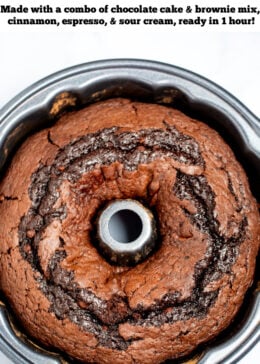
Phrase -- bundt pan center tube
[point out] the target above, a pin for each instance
(126, 230)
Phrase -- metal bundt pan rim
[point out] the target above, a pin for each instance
(56, 92)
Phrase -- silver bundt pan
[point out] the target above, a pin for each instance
(39, 105)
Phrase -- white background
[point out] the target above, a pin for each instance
(228, 56)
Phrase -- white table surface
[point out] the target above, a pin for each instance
(230, 59)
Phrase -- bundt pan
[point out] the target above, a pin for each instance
(39, 106)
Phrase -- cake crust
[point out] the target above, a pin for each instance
(69, 297)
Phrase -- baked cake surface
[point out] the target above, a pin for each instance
(66, 295)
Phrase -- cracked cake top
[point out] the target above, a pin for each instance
(66, 294)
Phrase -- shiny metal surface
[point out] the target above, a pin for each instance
(40, 104)
(126, 232)
(18, 349)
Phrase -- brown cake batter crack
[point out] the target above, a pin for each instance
(7, 198)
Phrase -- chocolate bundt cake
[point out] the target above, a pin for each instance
(66, 294)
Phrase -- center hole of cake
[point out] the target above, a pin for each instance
(125, 226)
